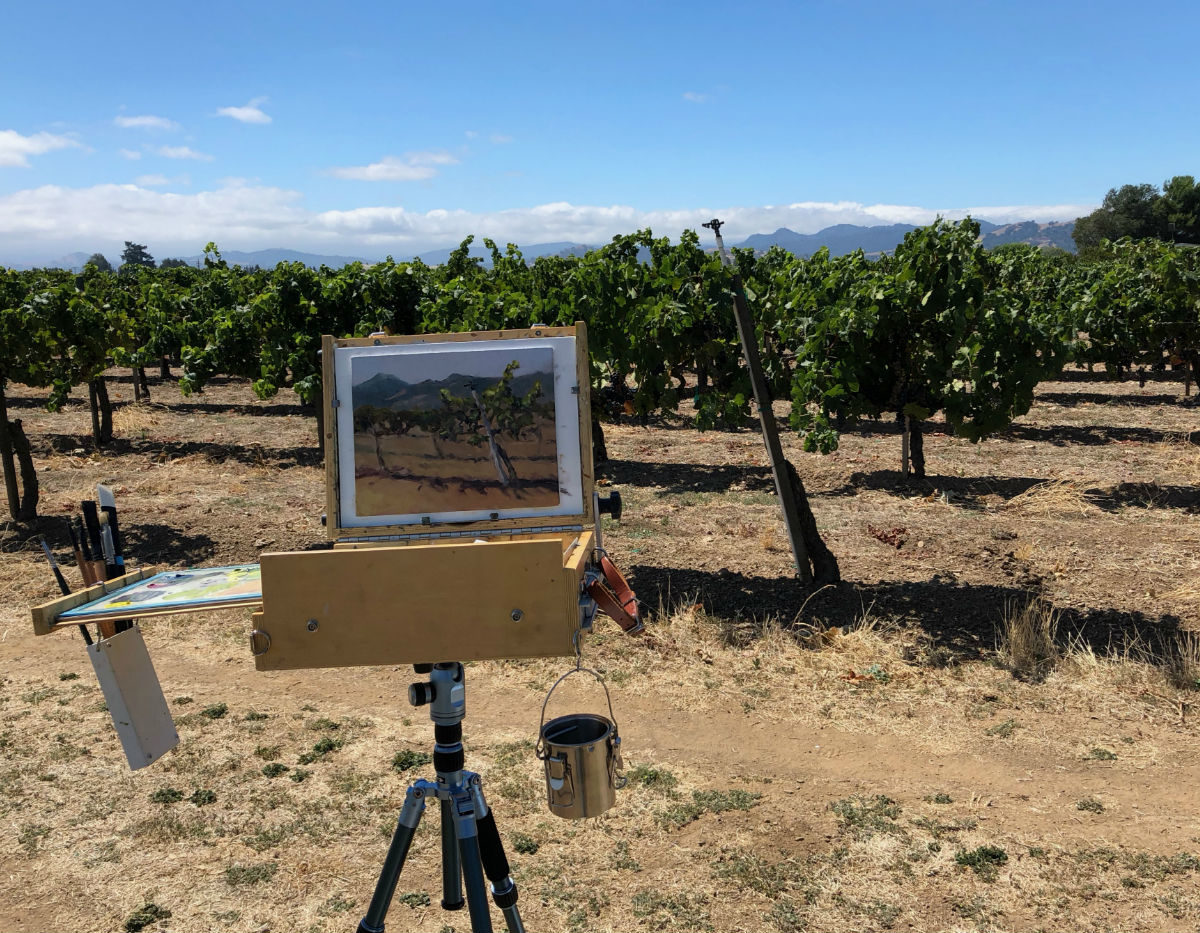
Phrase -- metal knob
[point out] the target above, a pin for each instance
(611, 505)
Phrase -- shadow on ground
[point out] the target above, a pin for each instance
(961, 618)
(1071, 399)
(970, 492)
(252, 454)
(149, 544)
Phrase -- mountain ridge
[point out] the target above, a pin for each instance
(839, 238)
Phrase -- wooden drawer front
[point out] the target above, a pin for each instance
(418, 604)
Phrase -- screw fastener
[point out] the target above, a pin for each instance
(312, 625)
(517, 615)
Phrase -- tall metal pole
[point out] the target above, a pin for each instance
(766, 415)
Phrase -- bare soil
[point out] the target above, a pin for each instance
(860, 758)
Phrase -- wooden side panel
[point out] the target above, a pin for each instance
(45, 614)
(415, 604)
(328, 390)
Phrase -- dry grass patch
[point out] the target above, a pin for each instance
(1029, 639)
(1053, 497)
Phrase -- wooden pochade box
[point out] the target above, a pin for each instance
(455, 584)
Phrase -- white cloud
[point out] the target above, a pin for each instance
(48, 221)
(413, 166)
(131, 154)
(16, 149)
(471, 134)
(151, 181)
(182, 152)
(695, 97)
(146, 122)
(500, 139)
(250, 113)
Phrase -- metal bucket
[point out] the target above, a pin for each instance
(582, 756)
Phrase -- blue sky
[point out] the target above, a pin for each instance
(368, 129)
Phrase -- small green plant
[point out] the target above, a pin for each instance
(414, 899)
(322, 748)
(145, 915)
(622, 860)
(939, 798)
(166, 795)
(216, 711)
(1090, 804)
(335, 905)
(659, 779)
(183, 701)
(863, 817)
(706, 801)
(672, 911)
(69, 675)
(406, 760)
(238, 875)
(1003, 730)
(752, 871)
(274, 769)
(323, 724)
(300, 775)
(254, 716)
(268, 752)
(1102, 754)
(985, 861)
(31, 836)
(524, 843)
(203, 798)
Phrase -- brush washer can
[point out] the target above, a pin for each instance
(582, 757)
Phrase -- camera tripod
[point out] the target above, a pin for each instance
(470, 841)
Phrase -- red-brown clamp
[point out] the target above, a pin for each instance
(615, 598)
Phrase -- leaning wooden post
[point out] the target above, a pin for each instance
(766, 415)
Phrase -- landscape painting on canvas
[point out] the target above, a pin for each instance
(454, 430)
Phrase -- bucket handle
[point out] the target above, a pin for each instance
(540, 750)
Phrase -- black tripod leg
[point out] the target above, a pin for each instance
(452, 897)
(467, 834)
(406, 827)
(495, 863)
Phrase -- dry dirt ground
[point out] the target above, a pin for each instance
(862, 758)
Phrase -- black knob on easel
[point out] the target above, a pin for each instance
(611, 505)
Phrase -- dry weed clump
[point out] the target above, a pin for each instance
(1181, 661)
(1028, 639)
(1055, 496)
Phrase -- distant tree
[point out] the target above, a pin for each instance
(1179, 209)
(1143, 212)
(135, 254)
(98, 260)
(173, 264)
(1128, 211)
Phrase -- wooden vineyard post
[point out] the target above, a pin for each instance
(766, 415)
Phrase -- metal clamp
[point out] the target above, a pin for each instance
(255, 636)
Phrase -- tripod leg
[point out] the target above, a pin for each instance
(452, 897)
(467, 834)
(495, 863)
(406, 827)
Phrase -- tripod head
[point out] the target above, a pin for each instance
(445, 693)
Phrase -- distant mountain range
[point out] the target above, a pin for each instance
(846, 238)
(840, 238)
(384, 390)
